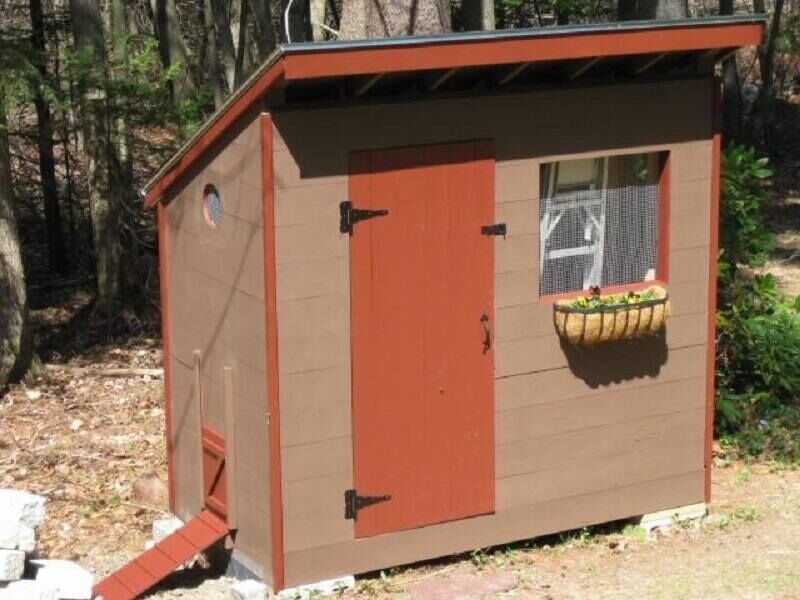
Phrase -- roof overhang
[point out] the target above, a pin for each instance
(355, 69)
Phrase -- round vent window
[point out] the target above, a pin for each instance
(212, 206)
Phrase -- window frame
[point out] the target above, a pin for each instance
(663, 228)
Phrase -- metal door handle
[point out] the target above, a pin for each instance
(487, 333)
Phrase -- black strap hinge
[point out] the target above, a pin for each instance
(349, 216)
(496, 229)
(353, 503)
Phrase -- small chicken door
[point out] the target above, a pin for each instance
(421, 276)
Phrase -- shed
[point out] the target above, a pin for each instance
(361, 253)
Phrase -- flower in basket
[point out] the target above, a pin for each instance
(596, 317)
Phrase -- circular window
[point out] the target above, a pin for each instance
(212, 206)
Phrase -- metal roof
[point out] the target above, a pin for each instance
(525, 33)
(344, 62)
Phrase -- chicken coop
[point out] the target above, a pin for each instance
(384, 264)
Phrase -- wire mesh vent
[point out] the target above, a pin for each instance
(212, 206)
(600, 237)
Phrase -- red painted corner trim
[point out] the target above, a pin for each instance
(271, 321)
(165, 349)
(713, 243)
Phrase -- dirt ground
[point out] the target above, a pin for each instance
(82, 437)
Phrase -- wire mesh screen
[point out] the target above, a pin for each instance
(601, 237)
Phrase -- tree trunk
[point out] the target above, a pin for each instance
(225, 45)
(212, 54)
(766, 58)
(731, 90)
(299, 22)
(15, 336)
(242, 66)
(660, 10)
(478, 15)
(317, 15)
(100, 160)
(262, 19)
(56, 254)
(172, 48)
(388, 18)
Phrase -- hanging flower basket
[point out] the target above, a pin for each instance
(599, 318)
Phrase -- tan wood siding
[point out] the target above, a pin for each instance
(576, 443)
(216, 286)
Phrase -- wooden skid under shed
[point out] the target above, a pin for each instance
(144, 571)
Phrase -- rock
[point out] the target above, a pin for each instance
(164, 527)
(250, 589)
(16, 536)
(26, 508)
(72, 581)
(28, 589)
(12, 564)
(33, 394)
(150, 489)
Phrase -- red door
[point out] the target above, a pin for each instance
(421, 307)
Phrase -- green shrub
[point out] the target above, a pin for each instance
(758, 329)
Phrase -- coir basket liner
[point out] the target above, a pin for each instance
(591, 325)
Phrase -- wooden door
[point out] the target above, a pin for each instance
(421, 307)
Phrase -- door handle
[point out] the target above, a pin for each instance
(487, 333)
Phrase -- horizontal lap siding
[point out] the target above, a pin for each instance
(624, 437)
(216, 279)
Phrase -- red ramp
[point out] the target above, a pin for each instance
(143, 572)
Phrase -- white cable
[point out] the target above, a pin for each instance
(286, 21)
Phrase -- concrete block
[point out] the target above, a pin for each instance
(165, 527)
(250, 589)
(12, 564)
(328, 587)
(16, 536)
(24, 507)
(665, 518)
(28, 589)
(72, 580)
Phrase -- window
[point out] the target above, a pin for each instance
(598, 222)
(212, 206)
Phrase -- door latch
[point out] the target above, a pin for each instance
(349, 216)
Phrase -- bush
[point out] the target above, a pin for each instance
(758, 329)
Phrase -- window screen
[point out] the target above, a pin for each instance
(598, 222)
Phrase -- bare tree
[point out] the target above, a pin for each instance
(15, 338)
(317, 15)
(651, 9)
(766, 62)
(388, 18)
(100, 157)
(172, 47)
(478, 14)
(212, 54)
(56, 254)
(731, 89)
(262, 21)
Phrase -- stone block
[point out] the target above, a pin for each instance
(250, 589)
(28, 589)
(12, 564)
(16, 536)
(24, 507)
(72, 580)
